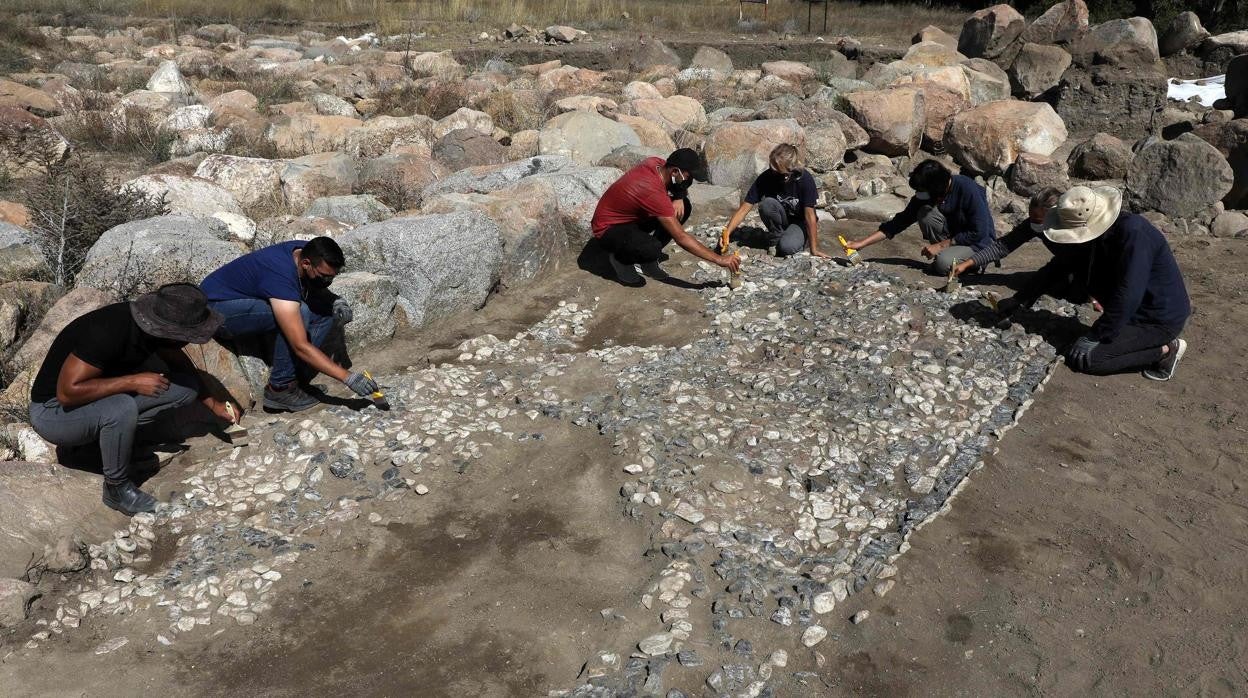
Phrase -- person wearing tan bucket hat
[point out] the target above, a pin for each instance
(114, 370)
(1133, 273)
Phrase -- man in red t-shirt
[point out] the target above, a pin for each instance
(643, 211)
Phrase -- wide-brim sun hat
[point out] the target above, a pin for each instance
(1083, 214)
(178, 312)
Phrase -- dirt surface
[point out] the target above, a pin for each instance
(1101, 551)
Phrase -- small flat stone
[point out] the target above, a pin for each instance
(860, 617)
(814, 635)
(657, 644)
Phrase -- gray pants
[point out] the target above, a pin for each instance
(111, 421)
(935, 229)
(789, 238)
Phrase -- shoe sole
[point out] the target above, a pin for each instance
(118, 508)
(278, 407)
(1178, 356)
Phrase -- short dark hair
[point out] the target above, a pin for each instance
(323, 249)
(1046, 198)
(931, 177)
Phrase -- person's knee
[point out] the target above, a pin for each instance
(183, 389)
(944, 263)
(770, 207)
(117, 412)
(791, 244)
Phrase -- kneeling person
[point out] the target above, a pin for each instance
(95, 387)
(786, 195)
(282, 290)
(643, 211)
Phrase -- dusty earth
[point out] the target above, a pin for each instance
(1101, 551)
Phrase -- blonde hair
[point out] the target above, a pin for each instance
(784, 158)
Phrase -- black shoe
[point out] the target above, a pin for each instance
(290, 399)
(1165, 368)
(128, 499)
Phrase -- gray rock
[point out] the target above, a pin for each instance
(1181, 178)
(20, 257)
(651, 53)
(372, 298)
(356, 209)
(1230, 224)
(1063, 23)
(1184, 34)
(712, 59)
(15, 599)
(188, 195)
(1030, 173)
(1101, 157)
(990, 33)
(442, 263)
(1111, 100)
(626, 157)
(464, 148)
(330, 105)
(584, 137)
(139, 256)
(1127, 43)
(72, 305)
(1037, 69)
(876, 209)
(825, 147)
(488, 179)
(168, 80)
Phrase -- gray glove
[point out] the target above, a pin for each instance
(342, 311)
(361, 384)
(1080, 355)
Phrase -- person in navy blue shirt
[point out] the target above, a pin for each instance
(282, 291)
(951, 212)
(786, 196)
(1133, 273)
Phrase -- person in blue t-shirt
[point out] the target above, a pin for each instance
(282, 290)
(786, 196)
(951, 212)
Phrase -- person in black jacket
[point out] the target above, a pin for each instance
(951, 212)
(1132, 272)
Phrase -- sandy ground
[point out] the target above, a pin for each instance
(1101, 551)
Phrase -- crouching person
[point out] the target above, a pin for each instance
(96, 387)
(283, 291)
(786, 196)
(646, 209)
(1136, 279)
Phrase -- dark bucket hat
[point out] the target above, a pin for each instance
(176, 311)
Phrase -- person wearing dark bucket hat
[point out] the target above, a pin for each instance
(114, 370)
(646, 209)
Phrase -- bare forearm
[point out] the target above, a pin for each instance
(869, 240)
(739, 215)
(83, 392)
(812, 229)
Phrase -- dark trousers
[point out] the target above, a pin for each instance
(1136, 347)
(788, 236)
(249, 317)
(111, 422)
(641, 242)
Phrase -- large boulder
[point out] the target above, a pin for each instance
(1184, 34)
(70, 307)
(946, 93)
(1231, 139)
(464, 118)
(304, 134)
(1030, 173)
(442, 264)
(1037, 69)
(712, 60)
(168, 80)
(651, 53)
(672, 113)
(372, 298)
(737, 152)
(1111, 99)
(792, 71)
(20, 257)
(988, 138)
(27, 140)
(653, 135)
(464, 147)
(991, 33)
(21, 303)
(400, 178)
(1101, 157)
(483, 180)
(1063, 23)
(825, 147)
(358, 209)
(584, 137)
(894, 118)
(312, 177)
(188, 195)
(384, 134)
(254, 182)
(855, 135)
(1121, 42)
(1182, 178)
(140, 256)
(19, 96)
(987, 80)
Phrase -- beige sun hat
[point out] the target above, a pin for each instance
(1083, 214)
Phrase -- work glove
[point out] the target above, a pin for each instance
(361, 384)
(342, 311)
(1080, 355)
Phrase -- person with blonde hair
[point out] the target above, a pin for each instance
(785, 194)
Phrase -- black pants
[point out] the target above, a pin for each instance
(640, 242)
(1136, 347)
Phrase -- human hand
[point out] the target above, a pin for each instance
(963, 267)
(149, 384)
(1080, 355)
(679, 206)
(342, 311)
(929, 251)
(820, 254)
(361, 384)
(731, 262)
(1096, 305)
(225, 410)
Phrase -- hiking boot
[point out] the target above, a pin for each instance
(653, 270)
(288, 399)
(1164, 370)
(128, 499)
(626, 273)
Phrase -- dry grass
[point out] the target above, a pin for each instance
(885, 21)
(129, 131)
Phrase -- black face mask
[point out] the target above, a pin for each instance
(319, 282)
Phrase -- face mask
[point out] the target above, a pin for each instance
(319, 282)
(1036, 227)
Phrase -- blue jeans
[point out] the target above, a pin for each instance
(247, 317)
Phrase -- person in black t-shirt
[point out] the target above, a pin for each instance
(95, 385)
(786, 196)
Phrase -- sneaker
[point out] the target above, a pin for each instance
(289, 399)
(626, 273)
(128, 499)
(653, 270)
(1164, 370)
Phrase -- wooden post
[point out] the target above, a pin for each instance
(825, 15)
